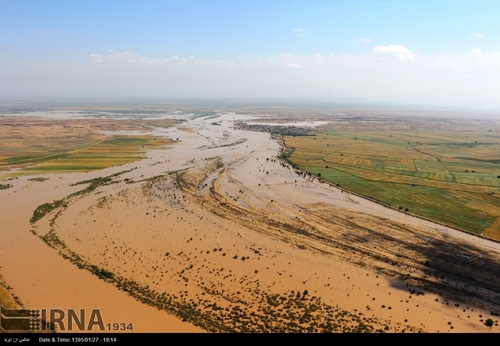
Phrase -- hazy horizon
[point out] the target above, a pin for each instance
(425, 54)
(240, 104)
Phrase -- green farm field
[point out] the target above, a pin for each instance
(36, 145)
(102, 154)
(450, 177)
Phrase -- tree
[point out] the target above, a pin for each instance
(489, 322)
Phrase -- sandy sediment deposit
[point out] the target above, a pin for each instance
(215, 233)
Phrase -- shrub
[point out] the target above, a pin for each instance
(46, 208)
(8, 186)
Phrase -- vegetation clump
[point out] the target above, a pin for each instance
(5, 186)
(40, 179)
(46, 208)
(101, 273)
(94, 184)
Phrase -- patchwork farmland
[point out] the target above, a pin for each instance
(450, 177)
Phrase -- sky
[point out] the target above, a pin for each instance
(429, 53)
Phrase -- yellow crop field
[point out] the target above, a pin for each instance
(106, 153)
(37, 145)
(110, 152)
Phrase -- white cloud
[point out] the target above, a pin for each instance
(477, 35)
(365, 40)
(96, 58)
(402, 52)
(299, 32)
(470, 78)
(127, 57)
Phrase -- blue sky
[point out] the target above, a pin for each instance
(406, 52)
